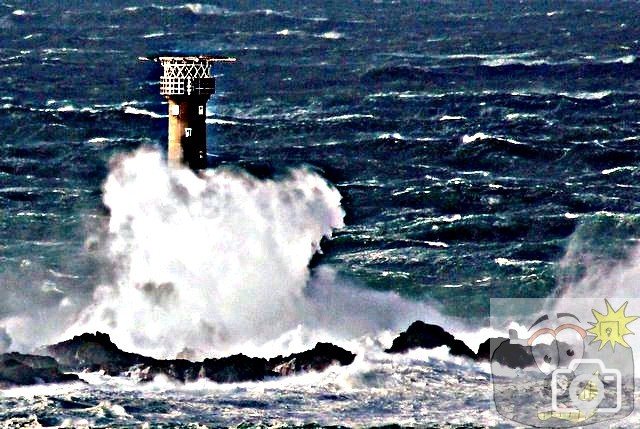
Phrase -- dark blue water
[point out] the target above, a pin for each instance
(379, 96)
(363, 91)
(474, 143)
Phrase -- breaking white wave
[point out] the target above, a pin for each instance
(332, 35)
(586, 95)
(490, 57)
(499, 62)
(627, 59)
(347, 117)
(452, 118)
(479, 136)
(136, 111)
(617, 169)
(218, 263)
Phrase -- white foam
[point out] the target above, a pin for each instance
(332, 35)
(347, 117)
(627, 59)
(482, 136)
(135, 111)
(223, 255)
(516, 116)
(154, 35)
(452, 118)
(475, 137)
(204, 9)
(617, 169)
(394, 136)
(98, 140)
(499, 62)
(218, 263)
(586, 95)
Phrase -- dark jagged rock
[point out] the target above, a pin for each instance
(513, 355)
(484, 351)
(20, 369)
(95, 352)
(427, 336)
(236, 368)
(317, 359)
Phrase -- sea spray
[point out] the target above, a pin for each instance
(206, 259)
(218, 262)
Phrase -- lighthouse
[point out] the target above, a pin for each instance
(187, 83)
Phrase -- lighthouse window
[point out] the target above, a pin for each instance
(187, 132)
(200, 110)
(175, 110)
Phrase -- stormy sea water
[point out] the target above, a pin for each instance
(371, 163)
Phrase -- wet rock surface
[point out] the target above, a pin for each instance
(96, 352)
(427, 336)
(22, 369)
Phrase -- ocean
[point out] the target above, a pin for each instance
(438, 153)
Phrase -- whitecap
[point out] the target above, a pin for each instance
(616, 169)
(586, 95)
(395, 136)
(516, 116)
(499, 62)
(347, 117)
(135, 111)
(66, 108)
(482, 136)
(204, 9)
(98, 140)
(477, 136)
(479, 56)
(436, 243)
(332, 35)
(505, 262)
(452, 118)
(154, 35)
(627, 59)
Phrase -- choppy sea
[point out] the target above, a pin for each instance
(439, 153)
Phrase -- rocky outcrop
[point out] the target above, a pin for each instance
(319, 358)
(21, 369)
(487, 346)
(427, 336)
(94, 352)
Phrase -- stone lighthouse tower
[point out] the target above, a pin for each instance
(187, 83)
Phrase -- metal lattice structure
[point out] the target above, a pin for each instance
(188, 75)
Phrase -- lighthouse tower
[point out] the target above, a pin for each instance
(187, 83)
